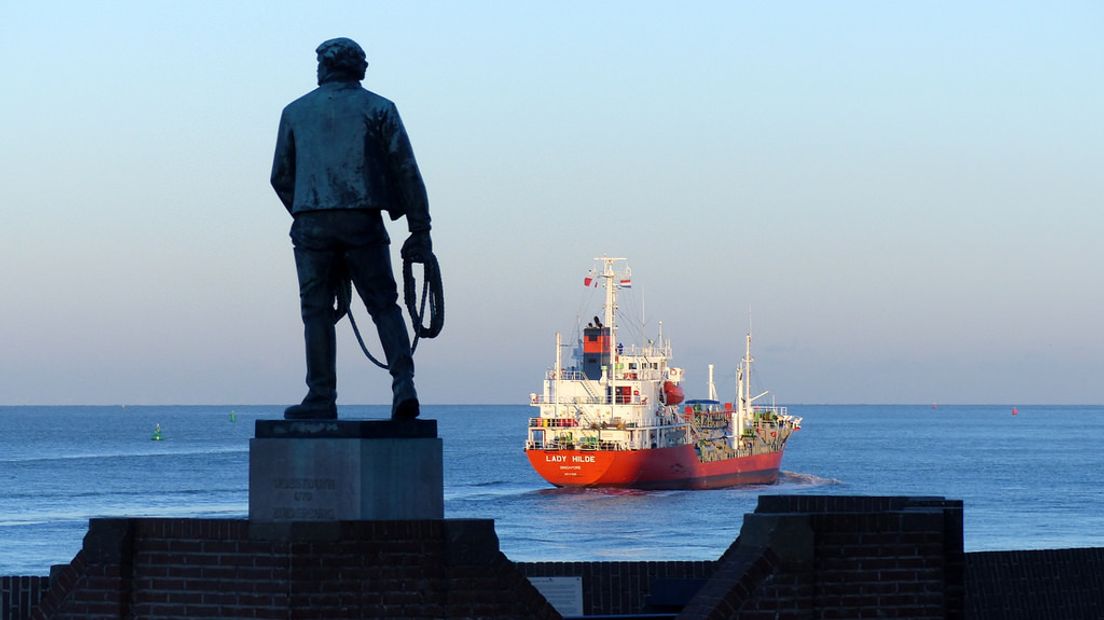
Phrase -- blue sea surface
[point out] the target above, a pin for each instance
(1029, 481)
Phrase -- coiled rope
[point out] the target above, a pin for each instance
(433, 293)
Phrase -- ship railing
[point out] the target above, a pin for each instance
(549, 445)
(622, 399)
(648, 351)
(576, 445)
(553, 422)
(617, 399)
(769, 409)
(566, 375)
(638, 375)
(538, 399)
(601, 445)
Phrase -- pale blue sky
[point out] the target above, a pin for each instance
(908, 196)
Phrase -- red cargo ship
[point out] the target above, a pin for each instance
(617, 416)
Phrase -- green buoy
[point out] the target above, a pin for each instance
(156, 433)
(233, 417)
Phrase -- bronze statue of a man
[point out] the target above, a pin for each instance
(342, 158)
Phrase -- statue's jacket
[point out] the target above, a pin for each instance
(342, 146)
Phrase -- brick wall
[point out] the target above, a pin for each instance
(208, 568)
(840, 557)
(803, 557)
(746, 584)
(1035, 585)
(619, 587)
(19, 594)
(797, 557)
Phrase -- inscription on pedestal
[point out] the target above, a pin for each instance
(301, 473)
(298, 499)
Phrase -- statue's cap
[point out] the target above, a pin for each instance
(342, 54)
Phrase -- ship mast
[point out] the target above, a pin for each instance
(556, 379)
(610, 306)
(712, 386)
(747, 372)
(743, 390)
(743, 384)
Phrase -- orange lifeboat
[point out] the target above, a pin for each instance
(672, 394)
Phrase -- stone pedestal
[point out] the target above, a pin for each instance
(345, 470)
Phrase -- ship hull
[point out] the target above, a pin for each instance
(657, 468)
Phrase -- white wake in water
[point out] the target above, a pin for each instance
(796, 479)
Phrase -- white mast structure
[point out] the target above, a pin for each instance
(558, 375)
(747, 372)
(609, 308)
(743, 390)
(712, 386)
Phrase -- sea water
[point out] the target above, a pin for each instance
(1029, 481)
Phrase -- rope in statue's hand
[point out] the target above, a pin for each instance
(433, 293)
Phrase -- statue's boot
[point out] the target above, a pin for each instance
(408, 409)
(321, 348)
(308, 410)
(396, 346)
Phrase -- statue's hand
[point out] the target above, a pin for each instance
(418, 247)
